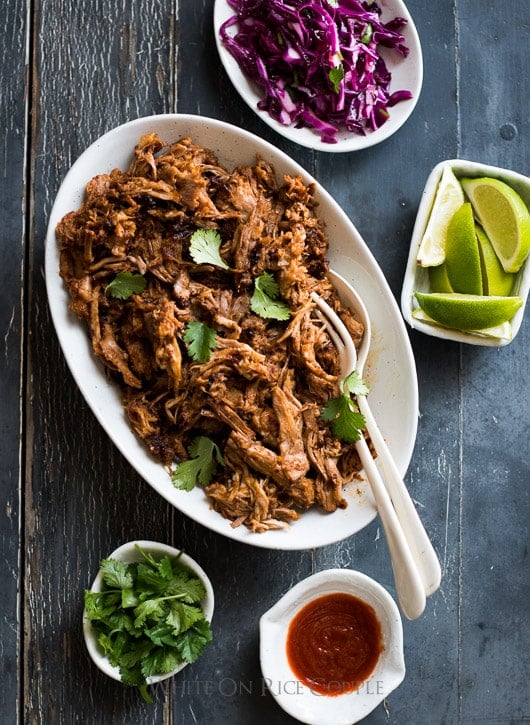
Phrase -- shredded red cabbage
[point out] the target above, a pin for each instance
(317, 61)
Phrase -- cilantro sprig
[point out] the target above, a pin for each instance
(126, 284)
(264, 301)
(346, 420)
(148, 617)
(200, 468)
(204, 248)
(200, 340)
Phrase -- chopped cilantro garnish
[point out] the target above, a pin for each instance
(126, 284)
(354, 384)
(148, 617)
(204, 248)
(200, 340)
(346, 420)
(264, 301)
(201, 465)
(336, 74)
(367, 35)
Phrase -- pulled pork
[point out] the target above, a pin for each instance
(260, 393)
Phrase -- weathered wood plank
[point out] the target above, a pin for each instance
(494, 106)
(97, 65)
(13, 112)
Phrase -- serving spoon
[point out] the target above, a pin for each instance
(416, 566)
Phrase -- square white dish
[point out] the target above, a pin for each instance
(417, 278)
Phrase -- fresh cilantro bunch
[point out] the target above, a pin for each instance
(148, 617)
(346, 420)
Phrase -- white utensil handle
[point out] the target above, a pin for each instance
(423, 551)
(409, 584)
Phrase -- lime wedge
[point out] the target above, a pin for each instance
(462, 258)
(500, 332)
(449, 197)
(468, 312)
(495, 280)
(438, 279)
(504, 217)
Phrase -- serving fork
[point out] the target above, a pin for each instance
(415, 564)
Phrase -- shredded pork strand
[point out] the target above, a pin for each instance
(260, 394)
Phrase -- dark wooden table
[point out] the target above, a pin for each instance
(72, 70)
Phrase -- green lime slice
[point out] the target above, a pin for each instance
(504, 217)
(495, 280)
(448, 198)
(468, 312)
(462, 257)
(438, 279)
(499, 332)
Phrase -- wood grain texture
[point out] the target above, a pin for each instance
(13, 115)
(95, 64)
(494, 125)
(72, 70)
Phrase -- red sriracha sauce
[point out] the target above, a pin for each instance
(333, 643)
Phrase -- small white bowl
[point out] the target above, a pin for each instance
(299, 700)
(417, 278)
(128, 553)
(407, 74)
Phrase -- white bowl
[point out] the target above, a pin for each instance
(390, 368)
(128, 553)
(295, 697)
(417, 278)
(407, 74)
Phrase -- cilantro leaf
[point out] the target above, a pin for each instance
(116, 574)
(346, 421)
(268, 285)
(129, 598)
(182, 616)
(192, 642)
(150, 579)
(126, 284)
(200, 467)
(161, 634)
(151, 608)
(204, 248)
(336, 74)
(119, 621)
(264, 301)
(165, 568)
(200, 340)
(342, 412)
(100, 605)
(136, 652)
(353, 384)
(191, 590)
(161, 661)
(107, 645)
